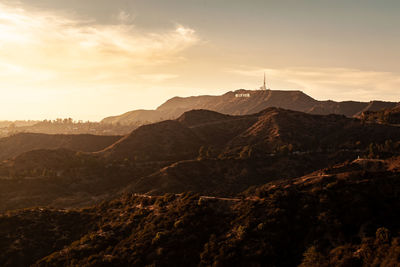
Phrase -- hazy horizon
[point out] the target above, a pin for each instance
(91, 59)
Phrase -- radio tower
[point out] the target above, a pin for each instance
(264, 87)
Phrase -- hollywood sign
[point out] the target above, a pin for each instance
(242, 95)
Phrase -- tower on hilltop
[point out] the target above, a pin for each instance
(264, 87)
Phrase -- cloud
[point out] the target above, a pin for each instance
(56, 64)
(125, 18)
(332, 83)
(36, 42)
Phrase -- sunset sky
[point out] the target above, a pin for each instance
(88, 59)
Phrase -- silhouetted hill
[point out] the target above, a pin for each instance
(243, 102)
(215, 129)
(136, 116)
(199, 117)
(163, 141)
(346, 215)
(23, 142)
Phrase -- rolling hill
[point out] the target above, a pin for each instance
(236, 152)
(201, 151)
(237, 103)
(163, 141)
(24, 142)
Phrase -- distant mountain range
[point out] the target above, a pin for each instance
(243, 102)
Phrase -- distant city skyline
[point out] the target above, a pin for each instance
(95, 58)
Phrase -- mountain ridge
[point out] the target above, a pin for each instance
(244, 102)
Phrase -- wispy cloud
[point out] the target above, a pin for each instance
(125, 17)
(36, 41)
(332, 83)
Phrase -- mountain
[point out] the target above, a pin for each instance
(243, 102)
(241, 151)
(201, 151)
(23, 142)
(346, 215)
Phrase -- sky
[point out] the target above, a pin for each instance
(95, 58)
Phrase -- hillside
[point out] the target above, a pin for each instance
(278, 129)
(258, 100)
(162, 141)
(23, 142)
(384, 116)
(340, 216)
(228, 177)
(135, 117)
(266, 132)
(236, 152)
(202, 151)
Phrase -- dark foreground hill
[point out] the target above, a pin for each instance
(23, 142)
(243, 102)
(346, 215)
(167, 140)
